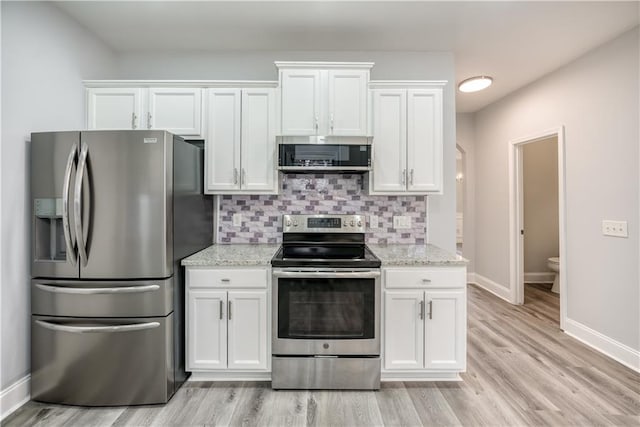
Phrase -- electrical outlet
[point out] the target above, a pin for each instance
(614, 228)
(373, 221)
(237, 220)
(401, 222)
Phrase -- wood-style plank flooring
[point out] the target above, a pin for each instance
(521, 371)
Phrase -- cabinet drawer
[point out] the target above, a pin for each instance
(226, 278)
(434, 277)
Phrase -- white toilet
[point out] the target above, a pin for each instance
(554, 265)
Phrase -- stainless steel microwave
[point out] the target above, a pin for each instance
(329, 154)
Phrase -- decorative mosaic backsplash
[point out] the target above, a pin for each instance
(320, 194)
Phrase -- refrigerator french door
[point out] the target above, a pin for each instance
(106, 293)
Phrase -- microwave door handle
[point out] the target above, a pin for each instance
(77, 204)
(68, 239)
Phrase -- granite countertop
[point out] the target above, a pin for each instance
(233, 256)
(261, 254)
(415, 255)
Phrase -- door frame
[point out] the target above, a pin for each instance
(516, 216)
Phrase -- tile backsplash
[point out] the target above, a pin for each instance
(320, 194)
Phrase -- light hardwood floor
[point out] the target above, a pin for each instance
(521, 371)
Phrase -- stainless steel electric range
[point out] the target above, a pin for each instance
(326, 305)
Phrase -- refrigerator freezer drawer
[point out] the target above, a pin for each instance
(102, 362)
(102, 298)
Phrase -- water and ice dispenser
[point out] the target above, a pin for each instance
(49, 233)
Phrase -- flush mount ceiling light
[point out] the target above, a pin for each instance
(475, 84)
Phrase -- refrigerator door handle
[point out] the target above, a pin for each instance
(69, 241)
(95, 291)
(77, 204)
(99, 329)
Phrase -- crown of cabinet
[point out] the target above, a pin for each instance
(324, 98)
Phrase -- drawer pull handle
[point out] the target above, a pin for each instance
(225, 280)
(98, 329)
(426, 280)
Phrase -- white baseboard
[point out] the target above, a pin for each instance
(14, 396)
(542, 277)
(602, 343)
(493, 287)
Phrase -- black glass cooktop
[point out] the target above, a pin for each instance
(325, 255)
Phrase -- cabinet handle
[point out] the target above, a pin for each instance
(149, 117)
(411, 177)
(317, 124)
(229, 311)
(225, 280)
(235, 175)
(134, 117)
(243, 177)
(220, 309)
(403, 176)
(421, 310)
(331, 122)
(430, 309)
(426, 280)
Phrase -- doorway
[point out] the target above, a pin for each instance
(460, 197)
(531, 255)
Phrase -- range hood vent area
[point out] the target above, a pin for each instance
(301, 154)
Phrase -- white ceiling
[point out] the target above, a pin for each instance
(516, 42)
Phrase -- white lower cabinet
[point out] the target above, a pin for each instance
(424, 321)
(227, 328)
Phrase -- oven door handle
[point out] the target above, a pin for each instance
(328, 274)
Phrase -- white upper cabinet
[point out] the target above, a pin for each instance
(407, 139)
(424, 140)
(178, 110)
(240, 144)
(300, 97)
(222, 145)
(114, 108)
(320, 98)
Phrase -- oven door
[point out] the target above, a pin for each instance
(333, 312)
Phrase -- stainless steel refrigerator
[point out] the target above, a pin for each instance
(113, 213)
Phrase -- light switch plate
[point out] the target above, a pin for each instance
(614, 228)
(373, 221)
(400, 222)
(237, 220)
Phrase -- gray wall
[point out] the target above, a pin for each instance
(45, 55)
(596, 99)
(259, 66)
(540, 204)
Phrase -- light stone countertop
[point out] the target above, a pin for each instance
(261, 254)
(415, 255)
(233, 256)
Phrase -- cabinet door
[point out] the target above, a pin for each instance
(258, 152)
(247, 317)
(403, 330)
(177, 110)
(389, 140)
(424, 140)
(445, 330)
(300, 102)
(348, 102)
(206, 330)
(114, 108)
(222, 147)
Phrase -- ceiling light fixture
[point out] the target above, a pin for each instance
(475, 84)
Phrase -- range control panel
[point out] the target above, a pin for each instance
(323, 224)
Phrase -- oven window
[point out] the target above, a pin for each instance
(326, 308)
